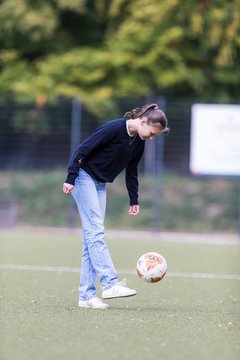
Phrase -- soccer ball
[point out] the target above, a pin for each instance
(151, 267)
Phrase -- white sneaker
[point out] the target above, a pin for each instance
(94, 303)
(83, 304)
(118, 290)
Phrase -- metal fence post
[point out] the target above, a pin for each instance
(75, 137)
(75, 124)
(158, 170)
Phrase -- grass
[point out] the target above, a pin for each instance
(176, 319)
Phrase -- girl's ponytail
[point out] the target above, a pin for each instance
(154, 115)
(137, 112)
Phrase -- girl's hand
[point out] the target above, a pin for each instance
(134, 210)
(67, 188)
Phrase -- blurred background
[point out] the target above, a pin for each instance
(66, 66)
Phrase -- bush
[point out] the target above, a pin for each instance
(187, 203)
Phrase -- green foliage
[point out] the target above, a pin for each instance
(14, 74)
(187, 204)
(38, 196)
(103, 50)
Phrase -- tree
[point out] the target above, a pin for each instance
(103, 50)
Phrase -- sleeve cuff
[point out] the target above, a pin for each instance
(71, 179)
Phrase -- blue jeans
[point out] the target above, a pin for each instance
(90, 196)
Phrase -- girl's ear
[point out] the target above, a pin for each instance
(143, 121)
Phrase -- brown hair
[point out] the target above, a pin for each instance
(153, 114)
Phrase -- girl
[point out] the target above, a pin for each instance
(112, 147)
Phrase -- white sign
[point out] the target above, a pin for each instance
(215, 140)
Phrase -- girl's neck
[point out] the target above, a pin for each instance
(131, 125)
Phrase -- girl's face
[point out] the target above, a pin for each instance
(146, 131)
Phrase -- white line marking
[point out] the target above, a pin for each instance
(64, 269)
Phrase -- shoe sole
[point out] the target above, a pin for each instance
(118, 296)
(92, 307)
(96, 308)
(84, 306)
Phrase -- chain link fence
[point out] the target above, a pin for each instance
(40, 138)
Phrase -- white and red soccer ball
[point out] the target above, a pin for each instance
(151, 267)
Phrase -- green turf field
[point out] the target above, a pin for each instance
(193, 313)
